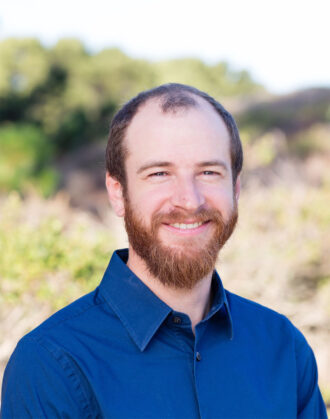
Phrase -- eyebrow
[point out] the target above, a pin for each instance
(154, 164)
(207, 163)
(213, 163)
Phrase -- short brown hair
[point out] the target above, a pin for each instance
(174, 96)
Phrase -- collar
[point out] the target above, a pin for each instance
(139, 309)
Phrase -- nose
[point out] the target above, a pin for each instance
(187, 195)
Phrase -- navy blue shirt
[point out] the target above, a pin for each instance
(121, 352)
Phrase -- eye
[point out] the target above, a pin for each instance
(158, 174)
(210, 173)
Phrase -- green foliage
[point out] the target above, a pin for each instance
(53, 100)
(217, 80)
(24, 66)
(24, 153)
(63, 97)
(72, 94)
(45, 258)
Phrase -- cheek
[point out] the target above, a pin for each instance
(150, 198)
(221, 199)
(145, 205)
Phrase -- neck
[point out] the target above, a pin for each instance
(195, 302)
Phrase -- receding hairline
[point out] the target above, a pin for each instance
(198, 103)
(194, 101)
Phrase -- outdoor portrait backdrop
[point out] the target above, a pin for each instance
(58, 93)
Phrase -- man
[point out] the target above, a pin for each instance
(160, 337)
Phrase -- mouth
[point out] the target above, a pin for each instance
(187, 228)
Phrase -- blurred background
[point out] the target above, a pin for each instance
(66, 67)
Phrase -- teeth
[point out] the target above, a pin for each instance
(186, 226)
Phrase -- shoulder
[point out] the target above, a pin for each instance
(265, 321)
(46, 341)
(272, 330)
(65, 334)
(77, 315)
(40, 382)
(245, 308)
(44, 359)
(273, 337)
(250, 307)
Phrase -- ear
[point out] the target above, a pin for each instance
(237, 189)
(115, 194)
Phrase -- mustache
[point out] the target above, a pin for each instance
(180, 216)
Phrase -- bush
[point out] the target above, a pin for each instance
(24, 159)
(48, 258)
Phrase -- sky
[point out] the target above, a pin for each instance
(284, 44)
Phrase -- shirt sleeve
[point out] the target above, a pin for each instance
(41, 384)
(309, 399)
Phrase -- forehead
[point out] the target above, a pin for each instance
(183, 136)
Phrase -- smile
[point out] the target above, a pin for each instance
(186, 226)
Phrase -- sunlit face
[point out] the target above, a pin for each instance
(179, 182)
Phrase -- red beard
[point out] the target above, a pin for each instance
(179, 266)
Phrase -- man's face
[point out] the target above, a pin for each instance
(180, 204)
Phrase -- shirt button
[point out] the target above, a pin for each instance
(198, 356)
(177, 320)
